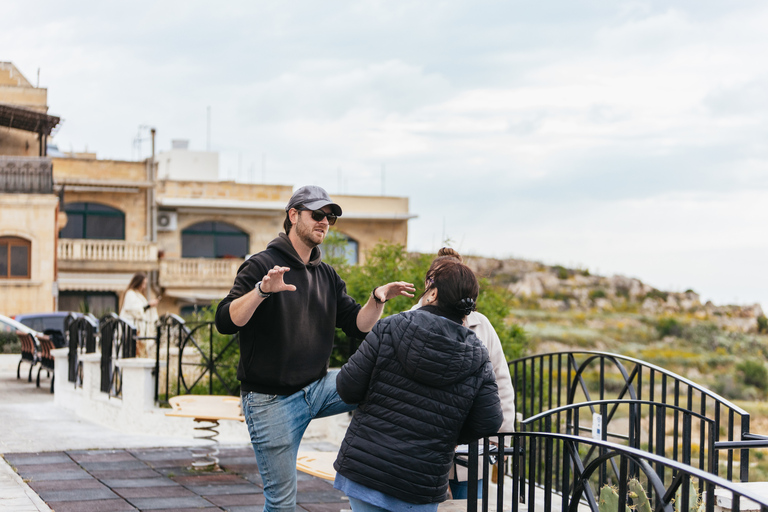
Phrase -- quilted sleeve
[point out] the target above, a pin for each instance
(486, 416)
(355, 376)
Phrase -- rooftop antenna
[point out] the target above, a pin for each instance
(38, 78)
(383, 168)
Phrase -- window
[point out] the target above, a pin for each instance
(97, 303)
(347, 248)
(213, 240)
(93, 221)
(14, 258)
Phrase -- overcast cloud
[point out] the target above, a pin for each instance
(622, 136)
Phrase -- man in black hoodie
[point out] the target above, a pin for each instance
(286, 304)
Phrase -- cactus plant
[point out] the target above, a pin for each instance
(694, 500)
(609, 499)
(639, 496)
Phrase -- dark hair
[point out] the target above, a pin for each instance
(456, 286)
(287, 222)
(136, 281)
(450, 253)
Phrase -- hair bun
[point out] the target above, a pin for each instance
(466, 305)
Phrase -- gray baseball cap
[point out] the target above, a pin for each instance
(314, 198)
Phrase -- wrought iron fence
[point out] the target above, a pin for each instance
(642, 425)
(82, 333)
(118, 341)
(627, 474)
(194, 359)
(552, 381)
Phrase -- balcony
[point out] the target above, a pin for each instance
(114, 255)
(26, 175)
(200, 273)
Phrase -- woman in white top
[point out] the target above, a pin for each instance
(140, 312)
(482, 327)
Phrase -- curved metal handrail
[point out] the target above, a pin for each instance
(549, 381)
(581, 487)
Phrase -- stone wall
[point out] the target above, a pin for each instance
(33, 218)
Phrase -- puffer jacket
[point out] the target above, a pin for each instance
(424, 384)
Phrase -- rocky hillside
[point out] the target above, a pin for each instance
(556, 288)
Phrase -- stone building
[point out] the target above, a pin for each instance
(100, 221)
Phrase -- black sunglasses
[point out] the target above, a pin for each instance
(319, 215)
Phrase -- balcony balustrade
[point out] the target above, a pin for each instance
(26, 175)
(198, 272)
(110, 251)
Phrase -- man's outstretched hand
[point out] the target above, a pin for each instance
(273, 282)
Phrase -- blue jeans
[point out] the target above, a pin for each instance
(460, 490)
(276, 424)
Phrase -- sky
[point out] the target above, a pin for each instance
(622, 137)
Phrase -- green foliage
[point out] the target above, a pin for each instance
(669, 326)
(562, 272)
(609, 498)
(388, 262)
(762, 324)
(754, 373)
(657, 294)
(9, 343)
(597, 293)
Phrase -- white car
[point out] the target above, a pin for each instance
(11, 325)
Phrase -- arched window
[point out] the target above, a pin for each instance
(213, 240)
(348, 248)
(93, 221)
(15, 256)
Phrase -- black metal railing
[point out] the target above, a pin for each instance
(82, 334)
(26, 175)
(118, 341)
(194, 359)
(629, 473)
(642, 425)
(552, 381)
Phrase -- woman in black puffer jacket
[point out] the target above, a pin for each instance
(424, 384)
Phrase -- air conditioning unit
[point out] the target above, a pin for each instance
(166, 221)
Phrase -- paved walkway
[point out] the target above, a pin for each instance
(68, 464)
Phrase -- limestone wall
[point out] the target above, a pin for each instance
(31, 217)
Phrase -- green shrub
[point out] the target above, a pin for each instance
(762, 324)
(598, 293)
(9, 343)
(754, 374)
(668, 326)
(388, 262)
(656, 294)
(562, 272)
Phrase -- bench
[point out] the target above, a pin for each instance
(207, 409)
(46, 359)
(30, 353)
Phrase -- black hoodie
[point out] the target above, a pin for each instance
(287, 342)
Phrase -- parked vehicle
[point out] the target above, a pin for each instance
(51, 323)
(9, 325)
(8, 337)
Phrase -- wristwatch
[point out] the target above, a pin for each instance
(261, 293)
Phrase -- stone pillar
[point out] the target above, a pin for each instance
(61, 385)
(138, 383)
(91, 375)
